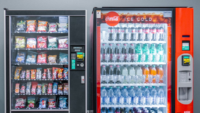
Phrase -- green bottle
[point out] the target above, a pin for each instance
(152, 55)
(138, 53)
(145, 51)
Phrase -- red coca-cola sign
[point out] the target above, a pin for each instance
(112, 18)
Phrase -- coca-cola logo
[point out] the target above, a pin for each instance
(112, 18)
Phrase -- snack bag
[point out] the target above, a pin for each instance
(20, 57)
(28, 73)
(62, 27)
(31, 43)
(19, 42)
(31, 57)
(52, 42)
(49, 71)
(65, 73)
(39, 89)
(42, 58)
(17, 72)
(52, 27)
(31, 25)
(28, 88)
(23, 88)
(65, 90)
(42, 26)
(63, 58)
(42, 42)
(60, 73)
(49, 90)
(52, 103)
(20, 103)
(60, 89)
(44, 75)
(62, 42)
(55, 72)
(62, 102)
(17, 85)
(31, 102)
(43, 103)
(23, 74)
(44, 88)
(34, 87)
(39, 74)
(33, 74)
(20, 25)
(55, 87)
(52, 59)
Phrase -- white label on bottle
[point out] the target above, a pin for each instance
(143, 57)
(98, 13)
(150, 57)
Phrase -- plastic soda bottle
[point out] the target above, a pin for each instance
(146, 73)
(145, 53)
(153, 73)
(161, 95)
(131, 74)
(125, 74)
(149, 99)
(113, 98)
(152, 53)
(111, 75)
(154, 94)
(103, 95)
(118, 75)
(160, 73)
(138, 53)
(160, 53)
(103, 74)
(103, 53)
(138, 74)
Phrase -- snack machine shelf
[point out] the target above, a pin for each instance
(42, 49)
(38, 64)
(55, 109)
(40, 80)
(43, 33)
(133, 63)
(132, 84)
(123, 106)
(43, 94)
(142, 42)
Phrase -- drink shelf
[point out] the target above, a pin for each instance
(41, 48)
(42, 94)
(132, 84)
(40, 79)
(133, 63)
(141, 42)
(38, 109)
(122, 106)
(39, 64)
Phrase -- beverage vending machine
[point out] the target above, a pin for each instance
(142, 60)
(45, 61)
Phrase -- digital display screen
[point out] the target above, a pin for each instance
(186, 46)
(185, 60)
(80, 56)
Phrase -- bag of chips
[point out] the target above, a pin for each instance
(17, 72)
(17, 85)
(31, 57)
(60, 89)
(34, 87)
(20, 57)
(42, 58)
(19, 42)
(28, 73)
(65, 73)
(52, 59)
(39, 89)
(52, 42)
(55, 87)
(20, 103)
(44, 88)
(44, 75)
(60, 73)
(49, 71)
(42, 42)
(62, 102)
(33, 74)
(62, 27)
(28, 88)
(42, 26)
(20, 27)
(31, 43)
(23, 88)
(55, 72)
(31, 25)
(52, 27)
(23, 74)
(49, 90)
(62, 42)
(65, 90)
(31, 102)
(43, 103)
(39, 74)
(52, 103)
(63, 58)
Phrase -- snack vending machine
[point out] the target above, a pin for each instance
(45, 61)
(142, 60)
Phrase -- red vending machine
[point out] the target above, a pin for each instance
(142, 60)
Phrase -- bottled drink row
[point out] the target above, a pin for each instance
(132, 110)
(132, 74)
(132, 53)
(140, 32)
(133, 96)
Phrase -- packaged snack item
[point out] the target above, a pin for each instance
(52, 42)
(43, 103)
(19, 42)
(39, 89)
(17, 85)
(49, 91)
(23, 88)
(60, 73)
(44, 88)
(65, 90)
(44, 75)
(20, 103)
(31, 25)
(23, 74)
(28, 88)
(52, 27)
(62, 102)
(49, 73)
(42, 42)
(31, 43)
(65, 73)
(52, 59)
(28, 73)
(20, 27)
(52, 103)
(39, 74)
(33, 74)
(31, 57)
(20, 57)
(34, 87)
(42, 58)
(62, 42)
(62, 27)
(55, 87)
(63, 58)
(55, 72)
(60, 89)
(31, 102)
(17, 72)
(42, 26)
